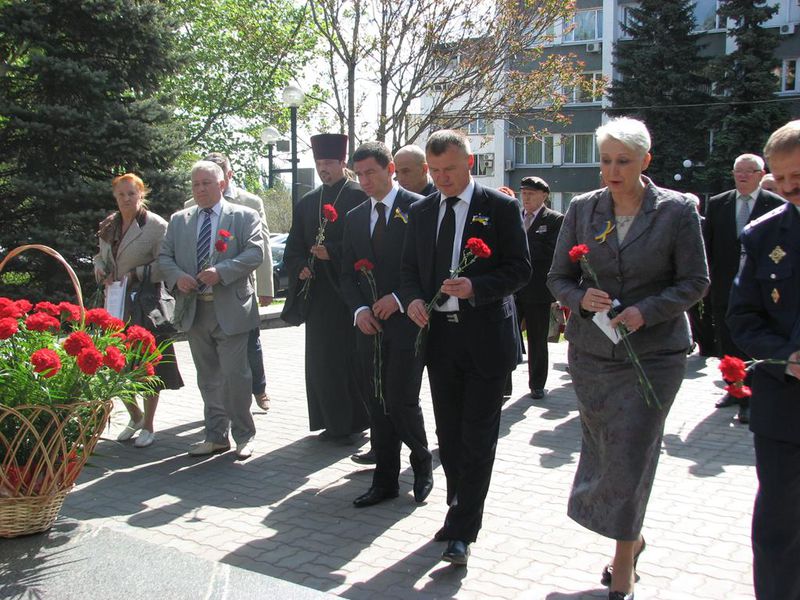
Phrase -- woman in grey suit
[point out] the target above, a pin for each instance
(129, 240)
(646, 249)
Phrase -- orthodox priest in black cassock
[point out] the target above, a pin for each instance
(334, 395)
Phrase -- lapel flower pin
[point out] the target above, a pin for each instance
(221, 245)
(480, 219)
(399, 214)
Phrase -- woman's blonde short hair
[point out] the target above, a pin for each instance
(629, 132)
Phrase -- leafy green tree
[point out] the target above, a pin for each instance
(80, 103)
(238, 56)
(749, 110)
(663, 81)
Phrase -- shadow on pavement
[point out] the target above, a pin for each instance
(599, 593)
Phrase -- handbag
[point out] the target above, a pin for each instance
(296, 308)
(152, 306)
(557, 323)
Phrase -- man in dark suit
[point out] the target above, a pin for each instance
(411, 170)
(533, 301)
(764, 320)
(472, 342)
(726, 216)
(375, 230)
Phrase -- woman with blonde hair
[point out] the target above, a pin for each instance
(130, 239)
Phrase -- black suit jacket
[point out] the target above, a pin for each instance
(542, 236)
(495, 218)
(722, 242)
(764, 319)
(357, 244)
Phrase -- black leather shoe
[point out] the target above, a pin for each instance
(744, 415)
(423, 483)
(441, 535)
(374, 495)
(457, 553)
(537, 393)
(365, 458)
(605, 576)
(620, 596)
(726, 401)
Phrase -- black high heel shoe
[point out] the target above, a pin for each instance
(605, 576)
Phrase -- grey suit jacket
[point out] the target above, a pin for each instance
(263, 274)
(660, 268)
(138, 247)
(235, 301)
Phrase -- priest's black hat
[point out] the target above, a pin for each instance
(329, 146)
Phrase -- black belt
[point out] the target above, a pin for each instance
(450, 317)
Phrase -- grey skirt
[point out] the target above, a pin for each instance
(621, 438)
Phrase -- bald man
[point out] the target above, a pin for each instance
(411, 170)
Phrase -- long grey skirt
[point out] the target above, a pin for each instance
(621, 439)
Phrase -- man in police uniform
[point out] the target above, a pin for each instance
(764, 320)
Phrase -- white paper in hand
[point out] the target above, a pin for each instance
(115, 298)
(604, 323)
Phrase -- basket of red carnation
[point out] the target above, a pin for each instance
(60, 368)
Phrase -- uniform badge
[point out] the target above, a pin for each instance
(775, 295)
(542, 229)
(777, 255)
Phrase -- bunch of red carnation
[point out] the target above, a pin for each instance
(733, 371)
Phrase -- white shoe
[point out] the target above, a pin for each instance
(207, 448)
(144, 439)
(244, 450)
(131, 428)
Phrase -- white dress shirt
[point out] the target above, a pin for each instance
(461, 209)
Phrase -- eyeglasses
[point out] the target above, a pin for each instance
(746, 172)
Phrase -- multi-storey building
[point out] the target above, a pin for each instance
(566, 155)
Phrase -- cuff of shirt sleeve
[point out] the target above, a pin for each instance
(399, 304)
(358, 310)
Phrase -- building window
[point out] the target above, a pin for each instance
(563, 202)
(587, 25)
(579, 149)
(589, 90)
(627, 20)
(530, 150)
(705, 15)
(480, 126)
(788, 76)
(483, 165)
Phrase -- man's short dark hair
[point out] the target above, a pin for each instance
(219, 159)
(441, 140)
(377, 150)
(534, 183)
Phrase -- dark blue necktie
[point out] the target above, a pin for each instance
(204, 245)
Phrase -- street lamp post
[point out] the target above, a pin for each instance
(293, 97)
(269, 136)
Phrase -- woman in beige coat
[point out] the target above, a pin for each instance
(129, 240)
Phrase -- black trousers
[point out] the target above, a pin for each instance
(776, 520)
(399, 420)
(256, 360)
(537, 325)
(467, 408)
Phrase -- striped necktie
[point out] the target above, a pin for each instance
(204, 245)
(743, 215)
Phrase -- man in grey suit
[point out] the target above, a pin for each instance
(207, 257)
(263, 274)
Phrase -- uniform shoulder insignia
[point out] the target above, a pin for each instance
(777, 254)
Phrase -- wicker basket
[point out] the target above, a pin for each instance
(43, 448)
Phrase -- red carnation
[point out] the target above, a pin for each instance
(578, 252)
(220, 246)
(224, 234)
(114, 359)
(149, 369)
(732, 368)
(41, 322)
(24, 306)
(140, 339)
(329, 212)
(8, 327)
(479, 248)
(362, 264)
(71, 312)
(46, 362)
(10, 309)
(77, 341)
(113, 324)
(97, 316)
(48, 307)
(89, 360)
(739, 390)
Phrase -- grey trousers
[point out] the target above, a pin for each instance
(223, 376)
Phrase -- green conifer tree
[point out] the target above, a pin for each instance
(749, 110)
(79, 100)
(662, 81)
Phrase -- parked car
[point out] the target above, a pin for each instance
(280, 277)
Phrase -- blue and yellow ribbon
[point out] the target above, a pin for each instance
(601, 237)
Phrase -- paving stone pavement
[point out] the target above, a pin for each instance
(287, 512)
